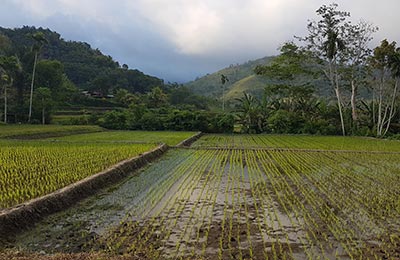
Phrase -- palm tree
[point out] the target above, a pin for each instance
(249, 113)
(224, 79)
(40, 40)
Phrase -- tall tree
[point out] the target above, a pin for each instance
(44, 101)
(384, 64)
(8, 67)
(355, 58)
(327, 42)
(394, 62)
(157, 97)
(224, 79)
(5, 44)
(40, 40)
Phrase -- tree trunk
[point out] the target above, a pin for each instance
(353, 102)
(32, 82)
(43, 117)
(5, 103)
(335, 84)
(380, 101)
(337, 92)
(373, 108)
(391, 107)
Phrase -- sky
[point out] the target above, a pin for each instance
(179, 40)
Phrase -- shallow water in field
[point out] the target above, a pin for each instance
(250, 204)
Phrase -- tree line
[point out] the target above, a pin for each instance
(363, 82)
(41, 72)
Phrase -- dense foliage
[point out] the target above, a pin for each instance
(87, 68)
(363, 83)
(41, 71)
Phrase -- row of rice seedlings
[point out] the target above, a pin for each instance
(237, 172)
(375, 174)
(116, 239)
(284, 195)
(311, 226)
(298, 142)
(244, 192)
(11, 131)
(175, 205)
(202, 199)
(350, 200)
(227, 203)
(257, 181)
(273, 223)
(167, 137)
(309, 214)
(172, 214)
(219, 171)
(138, 193)
(235, 198)
(192, 183)
(345, 233)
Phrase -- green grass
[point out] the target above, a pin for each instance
(40, 131)
(29, 169)
(167, 137)
(298, 142)
(252, 84)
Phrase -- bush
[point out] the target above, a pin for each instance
(285, 122)
(113, 120)
(319, 127)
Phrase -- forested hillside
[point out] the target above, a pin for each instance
(45, 79)
(210, 84)
(87, 68)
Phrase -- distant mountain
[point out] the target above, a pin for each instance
(241, 78)
(86, 67)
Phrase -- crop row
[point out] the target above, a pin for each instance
(167, 137)
(26, 131)
(258, 204)
(297, 142)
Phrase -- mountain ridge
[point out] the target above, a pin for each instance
(239, 75)
(86, 67)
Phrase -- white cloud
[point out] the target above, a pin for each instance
(191, 34)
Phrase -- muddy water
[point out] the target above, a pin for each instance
(211, 204)
(73, 229)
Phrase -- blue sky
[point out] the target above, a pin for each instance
(179, 40)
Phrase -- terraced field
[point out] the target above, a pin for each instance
(168, 137)
(42, 131)
(243, 197)
(29, 169)
(297, 142)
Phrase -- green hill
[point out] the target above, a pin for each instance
(241, 78)
(86, 67)
(253, 84)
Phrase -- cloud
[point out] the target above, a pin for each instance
(211, 27)
(181, 39)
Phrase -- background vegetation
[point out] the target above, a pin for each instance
(327, 82)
